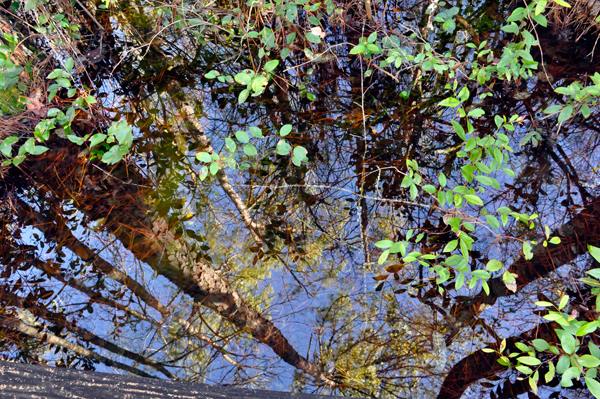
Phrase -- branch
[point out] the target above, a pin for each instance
(575, 235)
(82, 333)
(193, 124)
(16, 325)
(64, 236)
(130, 220)
(479, 364)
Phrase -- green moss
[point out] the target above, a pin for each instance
(9, 102)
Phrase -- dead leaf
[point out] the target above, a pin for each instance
(317, 31)
(34, 104)
(511, 286)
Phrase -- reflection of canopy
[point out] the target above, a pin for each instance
(25, 380)
(95, 257)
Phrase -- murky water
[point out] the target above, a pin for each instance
(71, 223)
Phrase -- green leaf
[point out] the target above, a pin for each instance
(568, 343)
(203, 173)
(18, 159)
(563, 302)
(504, 361)
(55, 74)
(481, 274)
(511, 28)
(485, 287)
(585, 111)
(588, 361)
(373, 48)
(453, 260)
(300, 153)
(256, 132)
(413, 192)
(259, 83)
(591, 282)
(572, 372)
(230, 144)
(493, 221)
(527, 250)
(311, 37)
(488, 181)
(204, 157)
(250, 150)
(27, 147)
(285, 52)
(442, 179)
(429, 188)
(214, 168)
(476, 113)
(594, 350)
(529, 360)
(555, 240)
(540, 344)
(69, 64)
(533, 383)
(460, 281)
(289, 38)
(550, 374)
(498, 121)
(122, 132)
(449, 102)
(359, 49)
(244, 77)
(553, 109)
(6, 150)
(562, 3)
(271, 65)
(114, 155)
(10, 140)
(565, 113)
(62, 82)
(242, 136)
(285, 130)
(459, 130)
(524, 369)
(211, 75)
(594, 273)
(587, 328)
(383, 257)
(595, 252)
(592, 385)
(451, 246)
(292, 12)
(473, 199)
(39, 149)
(540, 7)
(493, 265)
(541, 19)
(97, 139)
(283, 148)
(384, 244)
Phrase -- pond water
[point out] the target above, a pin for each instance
(268, 273)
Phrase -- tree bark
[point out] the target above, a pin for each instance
(480, 365)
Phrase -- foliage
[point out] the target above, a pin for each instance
(264, 38)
